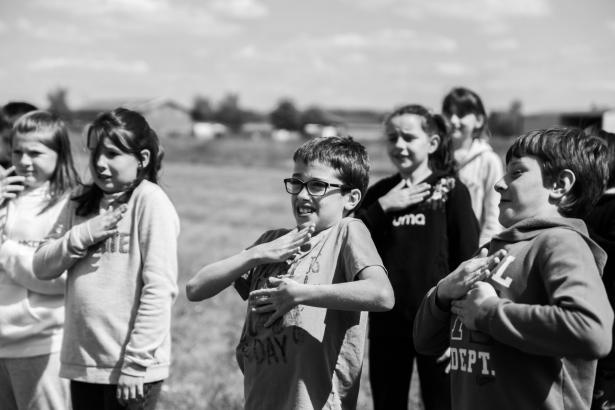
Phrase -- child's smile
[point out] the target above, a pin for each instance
(322, 211)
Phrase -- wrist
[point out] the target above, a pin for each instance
(255, 256)
(383, 204)
(443, 302)
(303, 294)
(485, 313)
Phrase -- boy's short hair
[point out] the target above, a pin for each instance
(609, 140)
(568, 148)
(12, 110)
(348, 157)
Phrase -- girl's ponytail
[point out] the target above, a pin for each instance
(443, 159)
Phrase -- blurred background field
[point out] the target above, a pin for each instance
(226, 191)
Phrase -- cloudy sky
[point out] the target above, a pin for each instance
(550, 54)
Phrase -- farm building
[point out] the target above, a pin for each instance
(167, 117)
(579, 119)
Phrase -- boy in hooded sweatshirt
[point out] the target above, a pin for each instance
(528, 335)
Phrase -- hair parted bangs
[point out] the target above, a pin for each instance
(51, 131)
(462, 101)
(345, 155)
(442, 159)
(128, 131)
(558, 149)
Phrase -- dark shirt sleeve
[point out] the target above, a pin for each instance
(462, 226)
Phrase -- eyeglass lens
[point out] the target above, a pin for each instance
(314, 187)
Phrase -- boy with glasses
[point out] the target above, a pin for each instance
(308, 287)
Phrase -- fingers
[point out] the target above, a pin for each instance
(139, 391)
(402, 184)
(275, 316)
(11, 186)
(128, 392)
(423, 187)
(264, 309)
(445, 356)
(122, 394)
(8, 171)
(456, 308)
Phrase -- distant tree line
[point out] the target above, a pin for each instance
(286, 116)
(507, 123)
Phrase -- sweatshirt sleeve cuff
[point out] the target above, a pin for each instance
(434, 308)
(133, 369)
(80, 238)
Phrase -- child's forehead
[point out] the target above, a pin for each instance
(34, 136)
(314, 169)
(526, 160)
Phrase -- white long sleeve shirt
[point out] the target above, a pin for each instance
(479, 169)
(119, 291)
(31, 310)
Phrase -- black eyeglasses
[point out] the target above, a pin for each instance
(315, 187)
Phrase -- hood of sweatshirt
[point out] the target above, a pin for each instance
(532, 227)
(478, 147)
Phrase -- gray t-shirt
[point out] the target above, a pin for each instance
(310, 358)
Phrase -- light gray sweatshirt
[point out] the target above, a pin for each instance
(31, 310)
(119, 291)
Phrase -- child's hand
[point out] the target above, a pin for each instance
(285, 247)
(105, 225)
(445, 358)
(459, 282)
(10, 185)
(469, 309)
(129, 388)
(277, 300)
(402, 196)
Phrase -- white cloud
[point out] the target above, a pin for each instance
(611, 25)
(106, 64)
(597, 85)
(505, 44)
(384, 40)
(145, 16)
(355, 58)
(495, 27)
(247, 53)
(53, 31)
(477, 10)
(453, 69)
(97, 7)
(351, 40)
(242, 9)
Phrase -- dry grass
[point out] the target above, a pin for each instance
(226, 193)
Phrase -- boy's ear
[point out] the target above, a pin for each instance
(562, 184)
(352, 199)
(145, 157)
(434, 143)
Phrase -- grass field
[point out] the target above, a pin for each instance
(226, 192)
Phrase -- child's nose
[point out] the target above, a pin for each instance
(25, 159)
(400, 143)
(500, 185)
(101, 163)
(303, 193)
